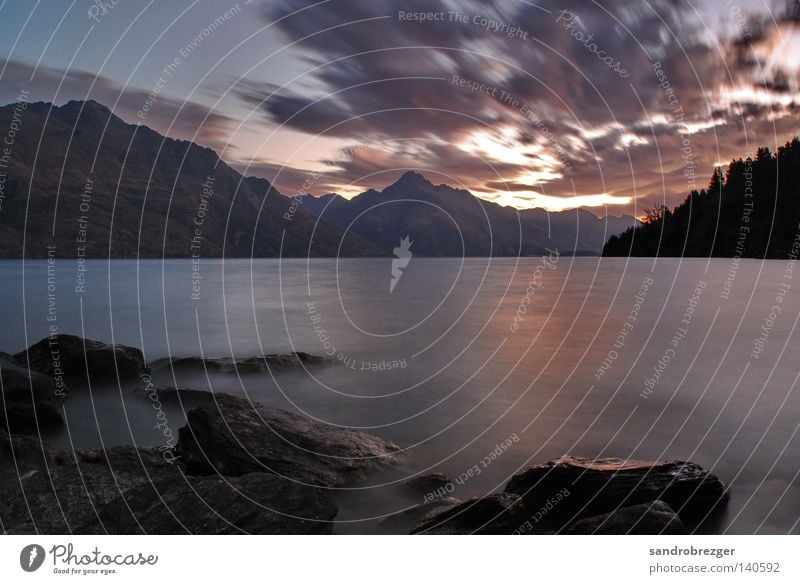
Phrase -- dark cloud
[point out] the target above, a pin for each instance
(614, 133)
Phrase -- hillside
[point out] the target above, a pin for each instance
(751, 211)
(84, 180)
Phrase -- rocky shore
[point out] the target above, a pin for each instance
(243, 467)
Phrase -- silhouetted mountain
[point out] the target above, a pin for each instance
(316, 205)
(444, 221)
(82, 179)
(752, 211)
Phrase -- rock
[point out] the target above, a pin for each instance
(30, 418)
(229, 365)
(234, 437)
(403, 521)
(20, 455)
(29, 398)
(428, 483)
(599, 486)
(64, 355)
(181, 364)
(73, 486)
(136, 490)
(22, 385)
(493, 514)
(254, 503)
(177, 395)
(293, 359)
(653, 518)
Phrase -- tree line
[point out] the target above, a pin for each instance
(752, 211)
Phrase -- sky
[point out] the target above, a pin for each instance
(612, 106)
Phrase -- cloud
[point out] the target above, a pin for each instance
(376, 76)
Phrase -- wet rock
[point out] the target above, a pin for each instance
(234, 437)
(653, 518)
(72, 487)
(184, 396)
(598, 486)
(428, 483)
(404, 521)
(493, 514)
(70, 357)
(255, 503)
(132, 490)
(20, 455)
(30, 418)
(23, 385)
(244, 365)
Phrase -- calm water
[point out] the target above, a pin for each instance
(436, 365)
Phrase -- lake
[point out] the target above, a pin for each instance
(688, 359)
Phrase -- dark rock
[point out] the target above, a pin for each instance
(22, 385)
(653, 518)
(181, 364)
(30, 418)
(427, 483)
(245, 365)
(184, 396)
(20, 458)
(255, 503)
(294, 359)
(493, 514)
(235, 437)
(72, 356)
(70, 490)
(403, 521)
(133, 490)
(20, 455)
(603, 485)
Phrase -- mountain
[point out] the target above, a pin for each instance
(80, 180)
(751, 211)
(316, 205)
(83, 180)
(443, 221)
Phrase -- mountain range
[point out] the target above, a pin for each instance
(442, 221)
(82, 181)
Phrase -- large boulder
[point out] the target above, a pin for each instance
(30, 418)
(71, 357)
(234, 437)
(256, 364)
(184, 396)
(128, 490)
(254, 503)
(598, 486)
(20, 455)
(428, 485)
(653, 518)
(19, 384)
(494, 514)
(401, 522)
(68, 490)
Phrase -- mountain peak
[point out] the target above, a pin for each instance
(89, 106)
(411, 178)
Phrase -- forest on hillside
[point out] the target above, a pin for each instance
(752, 211)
